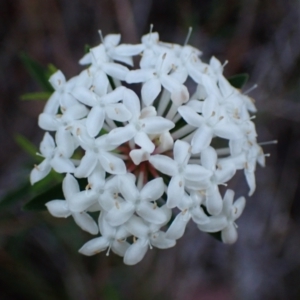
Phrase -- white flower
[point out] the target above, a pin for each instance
(179, 170)
(154, 78)
(212, 122)
(142, 202)
(102, 104)
(148, 235)
(141, 125)
(76, 204)
(141, 157)
(54, 158)
(225, 222)
(113, 238)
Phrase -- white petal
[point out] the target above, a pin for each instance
(229, 234)
(100, 83)
(94, 246)
(115, 70)
(164, 164)
(198, 215)
(209, 158)
(142, 139)
(52, 104)
(151, 213)
(215, 224)
(120, 213)
(65, 142)
(159, 240)
(148, 111)
(111, 163)
(128, 189)
(150, 91)
(190, 116)
(156, 125)
(115, 96)
(132, 102)
(238, 208)
(57, 80)
(84, 95)
(95, 120)
(250, 177)
(97, 178)
(135, 253)
(47, 145)
(58, 208)
(139, 75)
(196, 173)
(62, 165)
(120, 247)
(129, 50)
(121, 135)
(228, 131)
(175, 191)
(139, 155)
(82, 201)
(40, 171)
(225, 172)
(210, 107)
(137, 227)
(86, 222)
(153, 190)
(202, 138)
(177, 228)
(182, 152)
(70, 186)
(118, 112)
(47, 122)
(214, 202)
(87, 165)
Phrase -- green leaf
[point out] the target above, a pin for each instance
(37, 72)
(38, 202)
(239, 80)
(87, 48)
(15, 195)
(36, 96)
(26, 145)
(51, 69)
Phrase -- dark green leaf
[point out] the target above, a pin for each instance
(37, 72)
(36, 96)
(15, 195)
(239, 80)
(54, 192)
(216, 235)
(26, 145)
(87, 48)
(38, 202)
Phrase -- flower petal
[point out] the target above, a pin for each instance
(153, 189)
(136, 252)
(111, 163)
(95, 120)
(201, 138)
(86, 222)
(164, 164)
(175, 191)
(177, 228)
(150, 90)
(94, 246)
(58, 208)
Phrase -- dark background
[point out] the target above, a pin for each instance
(38, 253)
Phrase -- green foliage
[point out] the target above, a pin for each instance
(39, 74)
(27, 146)
(239, 80)
(38, 201)
(36, 96)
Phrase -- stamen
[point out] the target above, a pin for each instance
(251, 89)
(188, 36)
(108, 250)
(268, 143)
(101, 36)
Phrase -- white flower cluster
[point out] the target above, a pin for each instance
(147, 159)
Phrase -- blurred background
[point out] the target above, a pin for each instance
(38, 253)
